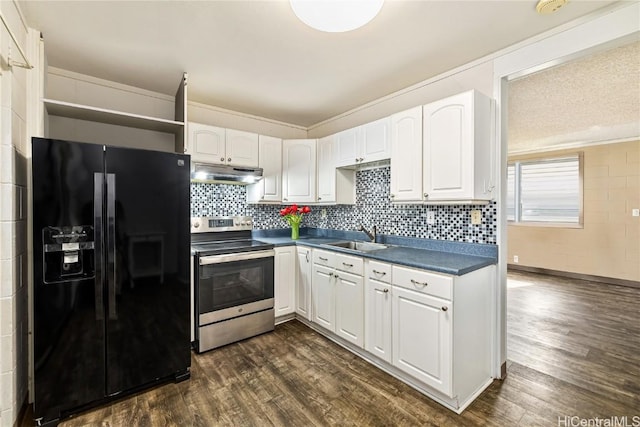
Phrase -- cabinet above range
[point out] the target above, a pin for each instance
(216, 145)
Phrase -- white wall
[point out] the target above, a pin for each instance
(13, 221)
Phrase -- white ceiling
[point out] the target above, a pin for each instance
(589, 100)
(257, 58)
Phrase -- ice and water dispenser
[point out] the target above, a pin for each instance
(68, 253)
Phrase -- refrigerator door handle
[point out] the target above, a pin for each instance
(98, 182)
(111, 245)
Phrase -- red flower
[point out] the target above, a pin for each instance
(293, 214)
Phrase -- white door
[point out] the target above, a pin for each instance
(377, 318)
(349, 307)
(422, 345)
(206, 143)
(448, 148)
(375, 140)
(285, 280)
(347, 153)
(269, 188)
(322, 297)
(303, 283)
(242, 148)
(299, 171)
(406, 155)
(326, 171)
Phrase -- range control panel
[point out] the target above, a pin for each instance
(212, 224)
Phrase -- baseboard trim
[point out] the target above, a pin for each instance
(579, 276)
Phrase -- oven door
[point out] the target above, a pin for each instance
(233, 285)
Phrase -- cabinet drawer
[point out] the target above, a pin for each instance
(380, 271)
(349, 263)
(422, 281)
(326, 258)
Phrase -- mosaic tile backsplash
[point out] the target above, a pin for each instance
(373, 207)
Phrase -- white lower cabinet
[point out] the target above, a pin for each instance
(303, 283)
(337, 295)
(377, 309)
(349, 305)
(422, 337)
(285, 280)
(323, 295)
(429, 329)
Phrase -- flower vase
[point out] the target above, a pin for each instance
(295, 231)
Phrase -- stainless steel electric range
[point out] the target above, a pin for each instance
(233, 281)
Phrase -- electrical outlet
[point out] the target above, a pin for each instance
(431, 217)
(323, 213)
(635, 212)
(476, 217)
(515, 259)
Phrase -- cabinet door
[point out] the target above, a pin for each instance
(422, 344)
(406, 156)
(242, 148)
(347, 152)
(326, 171)
(206, 144)
(323, 296)
(303, 283)
(299, 171)
(377, 318)
(349, 307)
(375, 140)
(269, 188)
(285, 280)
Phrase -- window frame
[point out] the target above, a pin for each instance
(517, 164)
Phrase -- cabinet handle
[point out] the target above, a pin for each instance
(323, 259)
(336, 276)
(347, 265)
(285, 199)
(426, 195)
(392, 195)
(382, 290)
(229, 159)
(445, 308)
(357, 160)
(382, 273)
(222, 159)
(331, 274)
(415, 282)
(319, 198)
(307, 256)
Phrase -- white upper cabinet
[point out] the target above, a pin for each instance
(206, 144)
(346, 143)
(242, 148)
(367, 143)
(375, 140)
(406, 156)
(211, 144)
(299, 171)
(457, 149)
(326, 171)
(269, 188)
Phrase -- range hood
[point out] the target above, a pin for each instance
(202, 172)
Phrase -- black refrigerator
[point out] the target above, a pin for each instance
(111, 248)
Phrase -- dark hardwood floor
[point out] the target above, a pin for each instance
(574, 350)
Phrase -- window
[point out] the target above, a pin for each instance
(545, 191)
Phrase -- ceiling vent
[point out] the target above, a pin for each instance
(545, 7)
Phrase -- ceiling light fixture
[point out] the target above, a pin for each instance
(336, 16)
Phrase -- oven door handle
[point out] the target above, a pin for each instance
(241, 256)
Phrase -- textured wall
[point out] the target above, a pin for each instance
(373, 207)
(608, 245)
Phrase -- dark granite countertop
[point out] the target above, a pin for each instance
(454, 258)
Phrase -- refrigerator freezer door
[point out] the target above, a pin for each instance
(148, 281)
(68, 328)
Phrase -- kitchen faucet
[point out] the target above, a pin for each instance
(371, 234)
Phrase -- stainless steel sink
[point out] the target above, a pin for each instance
(359, 246)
